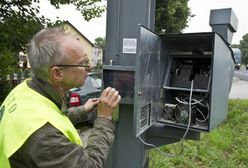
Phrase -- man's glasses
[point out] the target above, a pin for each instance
(85, 65)
(72, 65)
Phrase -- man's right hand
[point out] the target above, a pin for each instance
(108, 102)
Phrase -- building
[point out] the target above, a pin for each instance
(97, 56)
(94, 53)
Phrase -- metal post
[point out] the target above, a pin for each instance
(122, 20)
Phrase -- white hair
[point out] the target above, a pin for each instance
(45, 50)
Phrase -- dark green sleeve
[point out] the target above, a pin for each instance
(77, 114)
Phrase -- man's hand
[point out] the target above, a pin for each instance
(108, 102)
(90, 104)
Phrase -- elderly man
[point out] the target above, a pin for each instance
(34, 123)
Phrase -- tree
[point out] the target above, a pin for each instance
(20, 20)
(99, 41)
(8, 63)
(244, 48)
(171, 16)
(235, 45)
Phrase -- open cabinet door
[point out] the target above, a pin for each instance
(148, 81)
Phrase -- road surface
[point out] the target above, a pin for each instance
(239, 89)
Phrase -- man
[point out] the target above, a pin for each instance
(35, 129)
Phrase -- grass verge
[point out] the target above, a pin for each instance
(224, 147)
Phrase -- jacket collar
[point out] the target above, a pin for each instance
(46, 89)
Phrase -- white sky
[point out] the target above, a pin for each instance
(200, 23)
(201, 8)
(92, 29)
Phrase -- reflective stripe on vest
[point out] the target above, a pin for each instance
(22, 113)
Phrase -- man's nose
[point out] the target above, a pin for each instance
(91, 66)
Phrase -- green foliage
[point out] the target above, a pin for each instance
(20, 20)
(99, 41)
(8, 62)
(18, 23)
(89, 8)
(225, 146)
(235, 45)
(171, 16)
(16, 31)
(244, 48)
(5, 88)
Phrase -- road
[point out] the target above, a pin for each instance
(239, 88)
(241, 74)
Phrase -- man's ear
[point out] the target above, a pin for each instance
(56, 74)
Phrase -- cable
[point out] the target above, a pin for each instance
(157, 149)
(193, 101)
(183, 138)
(204, 118)
(189, 120)
(197, 110)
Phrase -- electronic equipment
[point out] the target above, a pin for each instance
(180, 73)
(182, 80)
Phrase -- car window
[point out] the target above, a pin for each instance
(99, 82)
(94, 83)
(90, 83)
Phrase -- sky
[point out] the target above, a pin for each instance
(92, 29)
(201, 8)
(199, 23)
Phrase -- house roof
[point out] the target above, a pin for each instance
(67, 22)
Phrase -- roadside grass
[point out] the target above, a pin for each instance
(224, 147)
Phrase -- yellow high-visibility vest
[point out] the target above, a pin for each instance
(22, 113)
